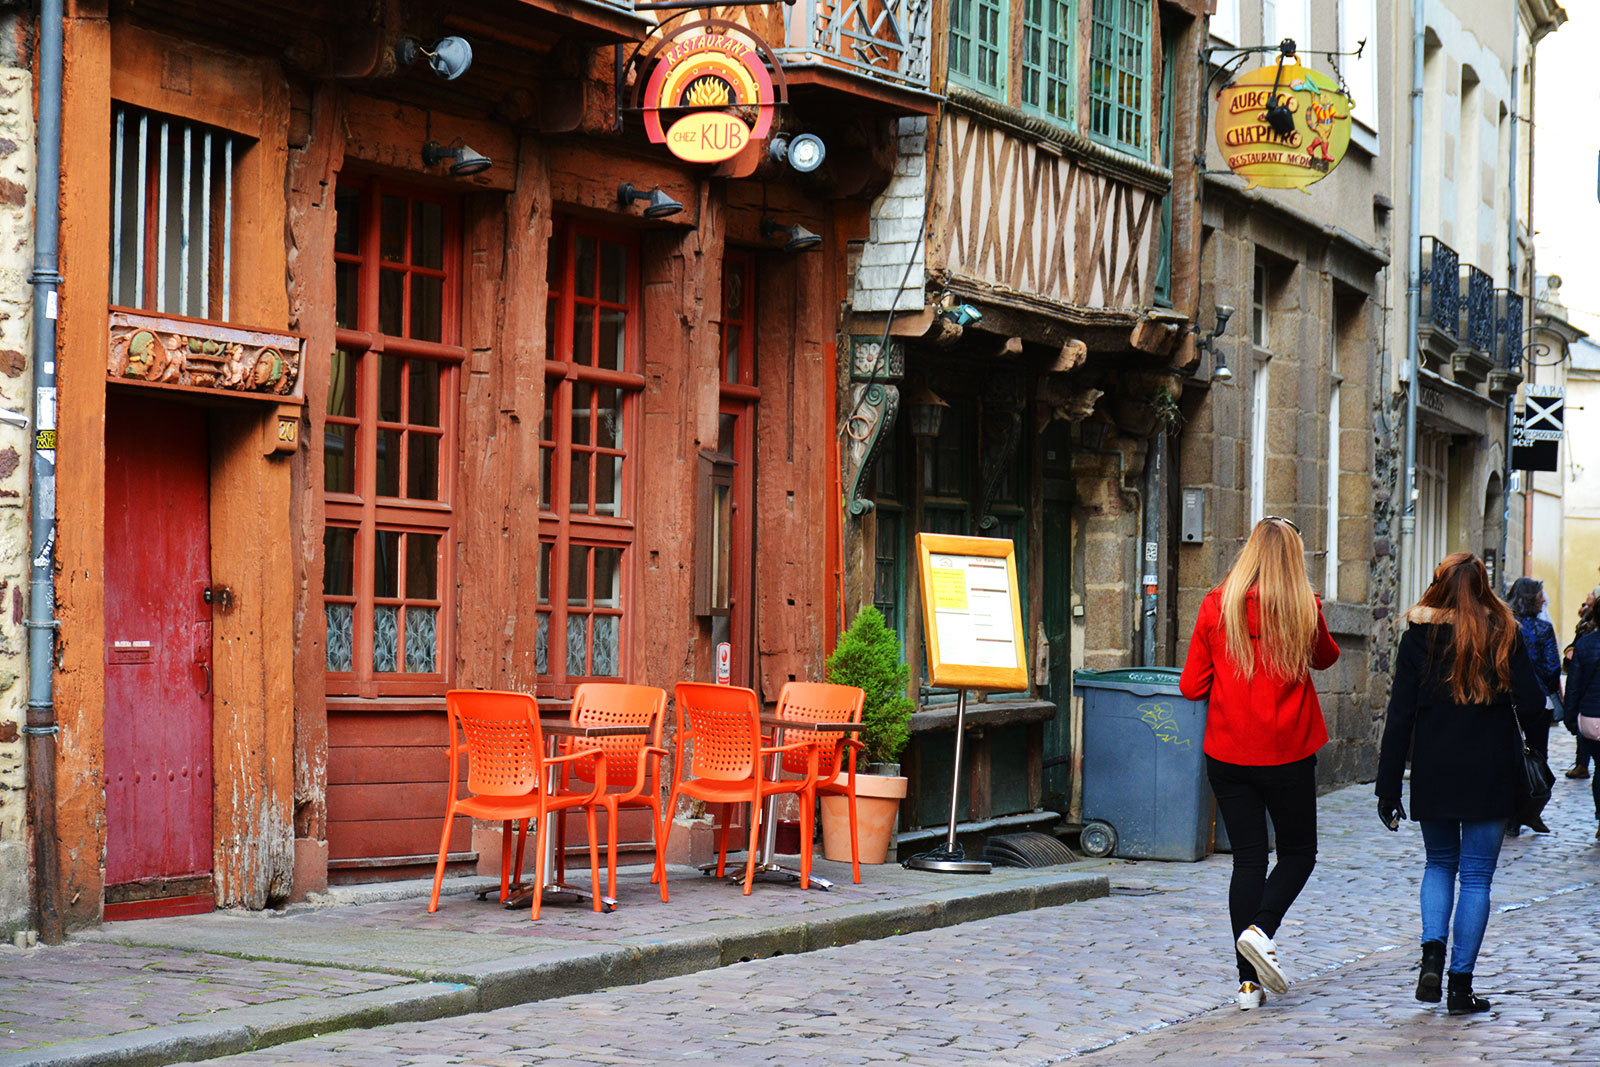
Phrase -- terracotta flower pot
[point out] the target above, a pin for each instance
(877, 802)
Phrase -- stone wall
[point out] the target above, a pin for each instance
(16, 309)
(882, 282)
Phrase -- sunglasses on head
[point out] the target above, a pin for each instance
(1279, 518)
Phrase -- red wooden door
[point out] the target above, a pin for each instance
(158, 658)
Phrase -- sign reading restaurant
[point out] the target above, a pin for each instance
(1283, 126)
(712, 72)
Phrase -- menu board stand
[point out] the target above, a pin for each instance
(952, 858)
(973, 633)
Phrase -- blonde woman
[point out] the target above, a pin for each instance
(1259, 636)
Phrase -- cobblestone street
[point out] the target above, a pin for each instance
(1144, 976)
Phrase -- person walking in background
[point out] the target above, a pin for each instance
(1258, 637)
(1586, 624)
(1583, 696)
(1527, 601)
(1462, 683)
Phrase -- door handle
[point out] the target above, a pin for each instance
(207, 668)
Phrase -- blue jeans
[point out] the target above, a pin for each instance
(1468, 850)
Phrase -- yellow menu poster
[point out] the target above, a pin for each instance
(972, 614)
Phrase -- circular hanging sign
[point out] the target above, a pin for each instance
(716, 75)
(1283, 126)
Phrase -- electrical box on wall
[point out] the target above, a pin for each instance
(1192, 525)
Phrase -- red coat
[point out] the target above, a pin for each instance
(1260, 721)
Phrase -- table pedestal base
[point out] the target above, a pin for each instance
(521, 896)
(770, 872)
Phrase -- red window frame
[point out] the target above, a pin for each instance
(571, 450)
(363, 270)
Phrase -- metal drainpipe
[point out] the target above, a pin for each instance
(1150, 523)
(1511, 286)
(1408, 493)
(42, 729)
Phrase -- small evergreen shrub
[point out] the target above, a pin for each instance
(868, 656)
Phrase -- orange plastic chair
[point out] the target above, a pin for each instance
(638, 755)
(824, 702)
(722, 724)
(508, 775)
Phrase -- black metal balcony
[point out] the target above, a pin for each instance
(1508, 329)
(1477, 314)
(1441, 287)
(1508, 333)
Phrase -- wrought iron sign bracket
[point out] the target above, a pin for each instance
(876, 368)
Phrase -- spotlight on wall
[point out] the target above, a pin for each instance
(658, 205)
(962, 314)
(804, 153)
(463, 159)
(1208, 343)
(449, 57)
(796, 238)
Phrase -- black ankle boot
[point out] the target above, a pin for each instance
(1460, 999)
(1432, 971)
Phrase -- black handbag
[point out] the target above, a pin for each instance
(1535, 780)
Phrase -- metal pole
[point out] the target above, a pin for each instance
(41, 728)
(1408, 492)
(1516, 344)
(951, 859)
(1150, 521)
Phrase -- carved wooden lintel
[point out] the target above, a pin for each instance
(192, 353)
(875, 373)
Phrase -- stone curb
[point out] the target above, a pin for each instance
(582, 969)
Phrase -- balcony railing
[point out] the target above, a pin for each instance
(1508, 330)
(882, 39)
(1477, 314)
(1441, 287)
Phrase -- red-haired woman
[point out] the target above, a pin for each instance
(1462, 680)
(1259, 636)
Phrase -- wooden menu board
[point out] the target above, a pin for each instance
(972, 615)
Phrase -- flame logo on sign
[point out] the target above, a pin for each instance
(708, 91)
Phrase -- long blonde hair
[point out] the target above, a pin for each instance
(1273, 562)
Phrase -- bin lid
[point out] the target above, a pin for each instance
(1143, 681)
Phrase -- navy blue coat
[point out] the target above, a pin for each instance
(1540, 637)
(1583, 687)
(1465, 758)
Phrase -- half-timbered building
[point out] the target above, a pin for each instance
(1018, 330)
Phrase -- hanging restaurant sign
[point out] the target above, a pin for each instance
(710, 93)
(1283, 126)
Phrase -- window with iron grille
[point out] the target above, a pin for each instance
(978, 31)
(172, 214)
(586, 441)
(1119, 74)
(1049, 28)
(389, 438)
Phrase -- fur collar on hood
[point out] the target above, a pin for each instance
(1436, 616)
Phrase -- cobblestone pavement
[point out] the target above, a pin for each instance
(1144, 976)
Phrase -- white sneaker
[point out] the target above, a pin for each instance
(1258, 948)
(1251, 996)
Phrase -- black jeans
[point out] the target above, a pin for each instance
(1245, 796)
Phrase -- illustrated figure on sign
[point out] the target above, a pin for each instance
(1320, 117)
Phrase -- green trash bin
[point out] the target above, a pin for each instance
(1145, 794)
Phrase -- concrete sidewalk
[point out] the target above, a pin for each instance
(170, 990)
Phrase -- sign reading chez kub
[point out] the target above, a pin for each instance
(1282, 158)
(710, 75)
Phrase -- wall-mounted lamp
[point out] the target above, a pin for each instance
(925, 413)
(1207, 343)
(804, 153)
(658, 205)
(796, 238)
(449, 57)
(463, 159)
